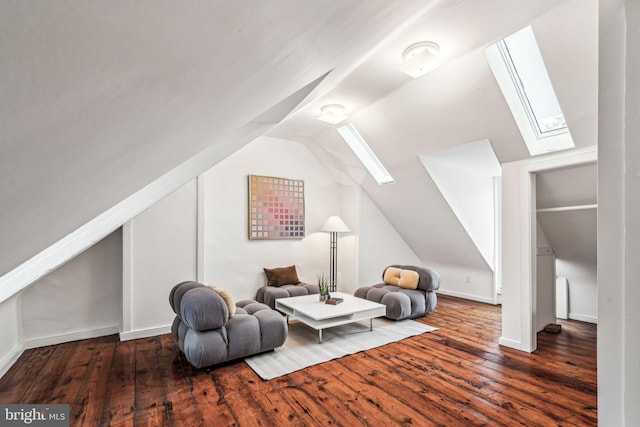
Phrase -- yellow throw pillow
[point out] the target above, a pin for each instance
(408, 279)
(228, 299)
(391, 276)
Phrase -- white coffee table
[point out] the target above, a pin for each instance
(309, 310)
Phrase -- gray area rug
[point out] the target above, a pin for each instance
(302, 348)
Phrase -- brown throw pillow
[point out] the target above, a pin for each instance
(282, 276)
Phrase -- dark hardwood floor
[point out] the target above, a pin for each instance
(456, 376)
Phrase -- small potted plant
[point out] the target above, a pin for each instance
(323, 287)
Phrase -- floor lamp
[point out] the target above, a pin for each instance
(333, 225)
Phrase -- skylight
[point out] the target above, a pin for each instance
(368, 158)
(522, 76)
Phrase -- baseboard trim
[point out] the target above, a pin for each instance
(583, 318)
(73, 336)
(12, 357)
(465, 296)
(510, 343)
(144, 333)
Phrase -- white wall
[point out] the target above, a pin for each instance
(612, 250)
(545, 289)
(11, 344)
(81, 299)
(379, 244)
(632, 217)
(618, 213)
(159, 251)
(464, 282)
(234, 262)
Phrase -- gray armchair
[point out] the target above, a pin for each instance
(401, 302)
(207, 335)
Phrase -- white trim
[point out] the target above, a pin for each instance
(464, 295)
(497, 238)
(11, 358)
(127, 275)
(101, 226)
(583, 318)
(73, 336)
(526, 257)
(510, 343)
(528, 254)
(144, 333)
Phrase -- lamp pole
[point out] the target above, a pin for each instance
(333, 260)
(334, 225)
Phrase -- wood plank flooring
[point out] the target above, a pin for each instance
(456, 376)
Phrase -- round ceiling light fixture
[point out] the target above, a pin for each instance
(333, 114)
(420, 58)
(419, 48)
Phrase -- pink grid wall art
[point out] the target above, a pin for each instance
(276, 208)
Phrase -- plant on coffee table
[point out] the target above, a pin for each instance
(323, 287)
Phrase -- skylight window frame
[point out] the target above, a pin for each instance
(536, 144)
(522, 94)
(365, 154)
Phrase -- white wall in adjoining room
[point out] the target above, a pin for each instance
(11, 344)
(583, 289)
(160, 247)
(81, 299)
(230, 259)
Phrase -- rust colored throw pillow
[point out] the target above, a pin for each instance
(282, 276)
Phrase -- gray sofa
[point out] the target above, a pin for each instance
(404, 303)
(268, 294)
(283, 282)
(207, 335)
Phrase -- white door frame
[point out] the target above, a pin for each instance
(520, 246)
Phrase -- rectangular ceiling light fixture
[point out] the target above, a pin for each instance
(368, 158)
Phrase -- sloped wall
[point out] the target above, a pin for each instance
(379, 244)
(465, 176)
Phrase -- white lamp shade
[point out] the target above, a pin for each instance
(334, 224)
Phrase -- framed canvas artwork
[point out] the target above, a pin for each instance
(276, 208)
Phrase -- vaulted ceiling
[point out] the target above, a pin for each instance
(101, 98)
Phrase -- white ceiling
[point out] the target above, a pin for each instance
(100, 98)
